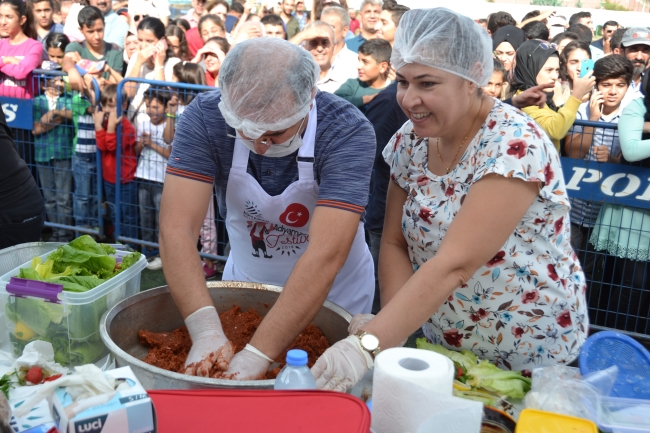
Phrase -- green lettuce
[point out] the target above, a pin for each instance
(482, 374)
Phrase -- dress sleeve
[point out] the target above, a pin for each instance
(514, 146)
(397, 154)
(630, 130)
(556, 124)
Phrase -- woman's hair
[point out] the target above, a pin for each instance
(189, 73)
(182, 23)
(564, 57)
(23, 9)
(110, 92)
(56, 40)
(177, 32)
(155, 26)
(499, 68)
(222, 42)
(215, 19)
(214, 3)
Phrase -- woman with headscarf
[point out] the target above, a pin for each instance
(476, 242)
(624, 231)
(539, 63)
(505, 43)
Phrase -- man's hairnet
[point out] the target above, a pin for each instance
(267, 84)
(444, 40)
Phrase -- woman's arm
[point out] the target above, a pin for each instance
(630, 130)
(555, 124)
(395, 266)
(480, 228)
(31, 61)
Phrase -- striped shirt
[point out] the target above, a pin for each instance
(343, 153)
(84, 140)
(584, 213)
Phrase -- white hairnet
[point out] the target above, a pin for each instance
(444, 40)
(267, 84)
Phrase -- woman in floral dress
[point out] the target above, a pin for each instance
(476, 242)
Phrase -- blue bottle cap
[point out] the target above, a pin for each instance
(297, 357)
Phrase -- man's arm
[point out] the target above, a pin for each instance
(182, 211)
(310, 282)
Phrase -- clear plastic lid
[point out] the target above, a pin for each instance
(297, 357)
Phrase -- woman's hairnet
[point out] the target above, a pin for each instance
(267, 84)
(444, 40)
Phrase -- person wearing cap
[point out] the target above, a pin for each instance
(636, 48)
(291, 170)
(476, 233)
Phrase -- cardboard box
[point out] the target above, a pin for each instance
(129, 411)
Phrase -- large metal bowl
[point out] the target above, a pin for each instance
(154, 310)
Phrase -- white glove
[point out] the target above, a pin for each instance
(342, 365)
(358, 322)
(249, 364)
(209, 343)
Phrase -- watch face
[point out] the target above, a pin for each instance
(370, 342)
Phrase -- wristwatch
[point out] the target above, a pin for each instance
(369, 342)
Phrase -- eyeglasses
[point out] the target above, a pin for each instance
(545, 46)
(264, 141)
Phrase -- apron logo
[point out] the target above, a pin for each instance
(296, 215)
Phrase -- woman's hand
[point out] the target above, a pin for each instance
(10, 60)
(160, 53)
(145, 54)
(582, 86)
(342, 365)
(595, 103)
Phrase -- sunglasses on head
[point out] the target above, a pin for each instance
(545, 46)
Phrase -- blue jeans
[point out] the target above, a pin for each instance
(84, 171)
(149, 195)
(128, 207)
(56, 184)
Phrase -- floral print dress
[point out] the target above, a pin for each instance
(527, 305)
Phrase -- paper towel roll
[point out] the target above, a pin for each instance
(410, 386)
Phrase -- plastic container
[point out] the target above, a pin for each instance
(296, 374)
(68, 320)
(538, 421)
(623, 415)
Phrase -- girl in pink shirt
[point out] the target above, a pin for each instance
(20, 52)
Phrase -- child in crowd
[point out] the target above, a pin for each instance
(84, 158)
(613, 76)
(53, 136)
(373, 67)
(497, 82)
(106, 122)
(152, 164)
(55, 45)
(20, 53)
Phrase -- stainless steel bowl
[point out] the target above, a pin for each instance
(154, 310)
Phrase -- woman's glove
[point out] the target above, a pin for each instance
(358, 322)
(209, 343)
(342, 365)
(249, 364)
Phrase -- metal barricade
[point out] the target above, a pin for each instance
(44, 129)
(140, 190)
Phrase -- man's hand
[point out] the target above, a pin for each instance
(74, 56)
(245, 365)
(602, 153)
(535, 96)
(342, 365)
(595, 103)
(209, 343)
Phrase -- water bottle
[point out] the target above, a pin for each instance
(296, 374)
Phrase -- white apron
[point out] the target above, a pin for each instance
(269, 234)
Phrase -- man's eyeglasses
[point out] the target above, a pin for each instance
(264, 141)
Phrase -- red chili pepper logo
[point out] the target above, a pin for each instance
(296, 215)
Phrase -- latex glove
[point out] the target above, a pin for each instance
(358, 322)
(209, 343)
(246, 365)
(342, 365)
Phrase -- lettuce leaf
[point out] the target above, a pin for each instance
(465, 358)
(128, 261)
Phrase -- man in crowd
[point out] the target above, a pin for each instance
(586, 34)
(344, 63)
(636, 46)
(604, 43)
(583, 18)
(370, 12)
(536, 30)
(301, 14)
(115, 28)
(290, 22)
(195, 13)
(498, 20)
(273, 27)
(43, 11)
(615, 42)
(318, 38)
(389, 19)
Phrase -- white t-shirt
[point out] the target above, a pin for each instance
(151, 164)
(148, 74)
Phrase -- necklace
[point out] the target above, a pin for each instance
(451, 164)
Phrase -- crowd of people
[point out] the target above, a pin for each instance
(547, 66)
